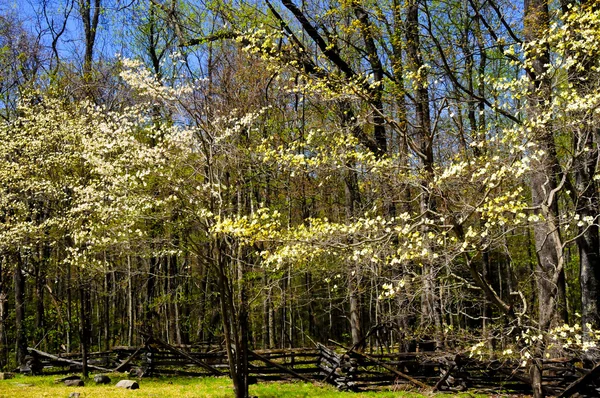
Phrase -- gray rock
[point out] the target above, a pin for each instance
(74, 395)
(101, 379)
(129, 384)
(74, 383)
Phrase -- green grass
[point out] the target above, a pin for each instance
(208, 387)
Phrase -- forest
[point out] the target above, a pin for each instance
(280, 173)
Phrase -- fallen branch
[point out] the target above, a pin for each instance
(67, 361)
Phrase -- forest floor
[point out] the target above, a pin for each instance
(208, 387)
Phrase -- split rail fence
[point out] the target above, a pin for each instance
(343, 367)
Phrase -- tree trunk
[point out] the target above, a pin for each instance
(90, 14)
(588, 241)
(40, 282)
(106, 311)
(149, 310)
(429, 298)
(586, 195)
(355, 309)
(130, 319)
(84, 326)
(69, 309)
(548, 243)
(3, 313)
(353, 201)
(21, 337)
(234, 327)
(547, 238)
(272, 330)
(535, 373)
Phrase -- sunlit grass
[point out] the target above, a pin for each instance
(208, 387)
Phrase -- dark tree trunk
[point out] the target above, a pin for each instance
(90, 16)
(40, 282)
(588, 243)
(234, 327)
(429, 298)
(69, 290)
(586, 196)
(368, 35)
(549, 272)
(106, 310)
(21, 336)
(149, 310)
(84, 325)
(354, 289)
(352, 205)
(548, 243)
(3, 313)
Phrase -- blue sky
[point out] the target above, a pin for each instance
(71, 45)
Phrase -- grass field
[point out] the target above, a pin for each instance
(45, 386)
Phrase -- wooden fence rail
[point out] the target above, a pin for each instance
(347, 369)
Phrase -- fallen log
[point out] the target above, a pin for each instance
(383, 365)
(64, 360)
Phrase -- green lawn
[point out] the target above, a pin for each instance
(45, 386)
